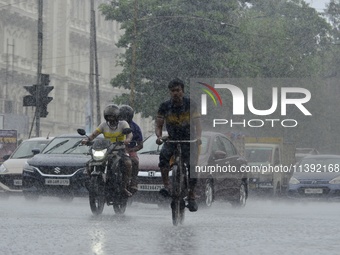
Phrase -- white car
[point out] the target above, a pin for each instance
(11, 169)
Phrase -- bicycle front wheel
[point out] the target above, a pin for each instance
(177, 204)
(178, 211)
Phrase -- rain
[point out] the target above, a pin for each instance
(264, 69)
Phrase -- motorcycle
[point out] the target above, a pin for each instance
(106, 175)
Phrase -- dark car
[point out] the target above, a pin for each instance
(59, 170)
(216, 151)
(316, 176)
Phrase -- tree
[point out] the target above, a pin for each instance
(201, 38)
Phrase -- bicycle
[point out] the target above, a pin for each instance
(180, 182)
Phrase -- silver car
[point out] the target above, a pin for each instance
(11, 169)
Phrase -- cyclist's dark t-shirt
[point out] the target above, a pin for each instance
(179, 119)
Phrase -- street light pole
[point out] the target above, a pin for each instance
(133, 56)
(89, 119)
(40, 49)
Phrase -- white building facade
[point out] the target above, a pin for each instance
(66, 58)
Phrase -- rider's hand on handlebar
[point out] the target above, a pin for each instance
(127, 141)
(85, 141)
(159, 140)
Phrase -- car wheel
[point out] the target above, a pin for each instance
(241, 197)
(208, 195)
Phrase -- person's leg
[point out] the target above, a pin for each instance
(135, 168)
(127, 174)
(164, 166)
(190, 155)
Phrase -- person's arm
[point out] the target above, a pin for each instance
(94, 134)
(91, 136)
(138, 139)
(139, 145)
(128, 137)
(159, 129)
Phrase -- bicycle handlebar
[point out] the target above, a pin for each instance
(167, 140)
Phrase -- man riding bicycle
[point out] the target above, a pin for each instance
(182, 121)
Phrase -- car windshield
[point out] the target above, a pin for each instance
(320, 165)
(150, 146)
(25, 149)
(258, 155)
(66, 145)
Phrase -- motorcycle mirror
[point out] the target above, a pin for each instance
(126, 131)
(81, 131)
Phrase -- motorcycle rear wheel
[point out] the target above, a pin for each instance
(96, 195)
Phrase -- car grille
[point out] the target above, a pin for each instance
(58, 170)
(314, 182)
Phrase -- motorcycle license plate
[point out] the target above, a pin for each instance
(150, 187)
(65, 182)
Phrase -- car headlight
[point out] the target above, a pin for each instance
(28, 168)
(98, 155)
(3, 169)
(293, 181)
(336, 180)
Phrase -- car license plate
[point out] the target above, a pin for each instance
(17, 182)
(150, 187)
(65, 182)
(266, 185)
(313, 191)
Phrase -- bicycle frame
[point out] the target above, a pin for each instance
(180, 183)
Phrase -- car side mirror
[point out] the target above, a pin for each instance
(6, 157)
(35, 151)
(220, 154)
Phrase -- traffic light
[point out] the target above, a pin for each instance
(45, 89)
(40, 93)
(45, 100)
(31, 100)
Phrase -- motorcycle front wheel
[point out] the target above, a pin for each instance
(96, 195)
(119, 208)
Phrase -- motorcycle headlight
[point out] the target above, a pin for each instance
(293, 181)
(3, 169)
(98, 155)
(336, 180)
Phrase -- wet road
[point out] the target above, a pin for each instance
(50, 226)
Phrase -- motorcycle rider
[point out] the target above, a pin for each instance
(112, 129)
(127, 113)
